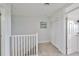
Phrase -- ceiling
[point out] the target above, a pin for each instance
(36, 9)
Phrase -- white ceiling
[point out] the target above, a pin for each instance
(36, 9)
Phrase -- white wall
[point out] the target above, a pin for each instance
(58, 31)
(28, 25)
(5, 29)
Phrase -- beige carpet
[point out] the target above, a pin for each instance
(47, 49)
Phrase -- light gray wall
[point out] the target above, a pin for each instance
(58, 31)
(27, 25)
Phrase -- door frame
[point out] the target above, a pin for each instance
(5, 49)
(66, 35)
(2, 40)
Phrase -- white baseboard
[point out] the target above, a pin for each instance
(43, 41)
(54, 45)
(58, 48)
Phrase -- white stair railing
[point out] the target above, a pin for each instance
(24, 45)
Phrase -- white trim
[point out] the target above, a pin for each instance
(43, 41)
(2, 38)
(58, 48)
(5, 46)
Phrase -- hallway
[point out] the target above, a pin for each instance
(47, 49)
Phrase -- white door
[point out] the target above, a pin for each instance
(72, 29)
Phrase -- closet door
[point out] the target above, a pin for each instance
(72, 28)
